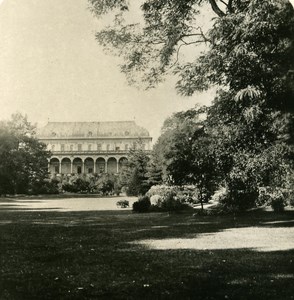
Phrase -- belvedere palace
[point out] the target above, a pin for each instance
(91, 147)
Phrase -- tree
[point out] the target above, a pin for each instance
(248, 55)
(136, 171)
(154, 170)
(23, 164)
(188, 153)
(244, 36)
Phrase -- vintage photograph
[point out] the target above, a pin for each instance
(146, 149)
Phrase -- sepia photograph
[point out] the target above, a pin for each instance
(146, 149)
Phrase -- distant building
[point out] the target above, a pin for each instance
(91, 147)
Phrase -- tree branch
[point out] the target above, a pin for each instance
(205, 39)
(184, 44)
(226, 4)
(230, 8)
(216, 9)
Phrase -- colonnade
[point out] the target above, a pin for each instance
(85, 165)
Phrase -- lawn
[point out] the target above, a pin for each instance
(120, 255)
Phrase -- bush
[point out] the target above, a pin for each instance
(172, 203)
(185, 193)
(278, 204)
(277, 200)
(123, 203)
(45, 187)
(142, 205)
(276, 197)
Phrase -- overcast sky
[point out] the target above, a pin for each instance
(52, 68)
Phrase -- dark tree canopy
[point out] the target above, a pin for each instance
(249, 44)
(23, 159)
(247, 52)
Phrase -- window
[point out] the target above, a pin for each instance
(56, 169)
(90, 147)
(126, 147)
(80, 147)
(53, 147)
(108, 147)
(143, 146)
(99, 147)
(79, 169)
(117, 148)
(90, 133)
(71, 147)
(90, 170)
(62, 147)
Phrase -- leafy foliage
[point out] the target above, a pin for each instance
(23, 163)
(247, 138)
(135, 172)
(142, 205)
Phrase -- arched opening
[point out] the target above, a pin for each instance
(89, 165)
(54, 167)
(66, 166)
(77, 167)
(100, 165)
(111, 165)
(122, 163)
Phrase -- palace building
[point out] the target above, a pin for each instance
(91, 147)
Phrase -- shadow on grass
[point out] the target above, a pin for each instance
(89, 255)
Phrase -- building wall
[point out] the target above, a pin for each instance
(73, 156)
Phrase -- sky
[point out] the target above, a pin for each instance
(53, 69)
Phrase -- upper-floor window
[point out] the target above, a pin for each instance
(117, 148)
(53, 133)
(89, 147)
(62, 147)
(53, 147)
(126, 147)
(108, 147)
(90, 133)
(143, 146)
(71, 147)
(79, 147)
(99, 147)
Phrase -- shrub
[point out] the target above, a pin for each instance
(277, 200)
(276, 197)
(142, 205)
(77, 184)
(123, 203)
(186, 193)
(171, 203)
(278, 204)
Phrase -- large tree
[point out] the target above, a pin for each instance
(188, 155)
(245, 37)
(248, 54)
(134, 173)
(23, 159)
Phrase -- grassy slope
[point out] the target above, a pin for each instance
(85, 255)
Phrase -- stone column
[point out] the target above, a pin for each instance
(94, 166)
(83, 167)
(106, 166)
(71, 166)
(117, 166)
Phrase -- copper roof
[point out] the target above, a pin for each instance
(92, 129)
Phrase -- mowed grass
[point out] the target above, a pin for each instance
(92, 255)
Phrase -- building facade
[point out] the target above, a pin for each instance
(91, 147)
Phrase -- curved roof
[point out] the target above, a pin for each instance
(92, 129)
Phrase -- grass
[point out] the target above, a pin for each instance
(92, 255)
